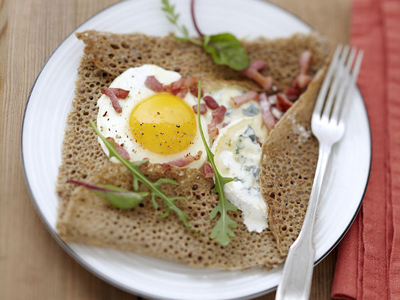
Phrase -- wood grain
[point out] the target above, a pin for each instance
(32, 264)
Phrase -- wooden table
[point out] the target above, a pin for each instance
(32, 264)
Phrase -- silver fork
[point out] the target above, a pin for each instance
(328, 126)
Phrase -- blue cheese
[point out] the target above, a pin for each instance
(237, 155)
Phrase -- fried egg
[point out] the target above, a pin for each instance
(158, 126)
(162, 128)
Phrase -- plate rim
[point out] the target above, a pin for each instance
(110, 280)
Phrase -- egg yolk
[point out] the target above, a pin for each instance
(163, 124)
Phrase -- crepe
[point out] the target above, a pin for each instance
(85, 218)
(115, 53)
(288, 165)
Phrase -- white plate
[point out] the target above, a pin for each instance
(43, 132)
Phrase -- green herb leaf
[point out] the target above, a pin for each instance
(165, 180)
(226, 49)
(117, 196)
(138, 176)
(222, 229)
(121, 198)
(173, 17)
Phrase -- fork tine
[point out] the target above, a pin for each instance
(322, 94)
(335, 85)
(339, 111)
(344, 86)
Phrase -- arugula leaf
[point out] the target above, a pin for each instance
(224, 48)
(117, 196)
(154, 187)
(173, 17)
(222, 229)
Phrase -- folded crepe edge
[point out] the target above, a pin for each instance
(280, 185)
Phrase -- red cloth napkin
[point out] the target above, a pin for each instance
(368, 262)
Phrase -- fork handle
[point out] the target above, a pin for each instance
(297, 273)
(296, 279)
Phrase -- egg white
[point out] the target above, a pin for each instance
(116, 125)
(223, 95)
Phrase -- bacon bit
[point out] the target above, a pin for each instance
(252, 72)
(283, 103)
(258, 142)
(167, 88)
(181, 162)
(210, 101)
(239, 100)
(182, 93)
(257, 65)
(212, 130)
(153, 84)
(208, 170)
(265, 82)
(292, 93)
(218, 115)
(191, 81)
(176, 87)
(194, 90)
(114, 100)
(303, 80)
(305, 61)
(203, 109)
(120, 93)
(253, 68)
(265, 106)
(121, 150)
